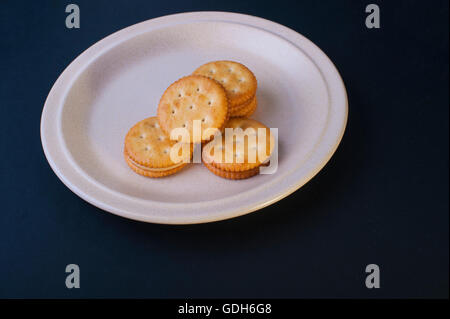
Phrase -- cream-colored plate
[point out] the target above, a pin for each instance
(119, 80)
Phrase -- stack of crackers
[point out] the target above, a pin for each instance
(195, 111)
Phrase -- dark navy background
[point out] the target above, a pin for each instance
(383, 197)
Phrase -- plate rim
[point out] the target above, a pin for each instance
(82, 61)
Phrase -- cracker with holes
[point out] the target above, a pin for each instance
(193, 98)
(239, 82)
(148, 150)
(239, 155)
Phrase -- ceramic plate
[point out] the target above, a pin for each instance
(119, 81)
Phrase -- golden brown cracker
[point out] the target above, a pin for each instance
(146, 144)
(239, 82)
(238, 150)
(247, 111)
(150, 173)
(232, 175)
(193, 97)
(242, 106)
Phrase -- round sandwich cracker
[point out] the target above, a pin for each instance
(242, 106)
(147, 150)
(249, 147)
(232, 175)
(246, 111)
(155, 173)
(192, 98)
(239, 82)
